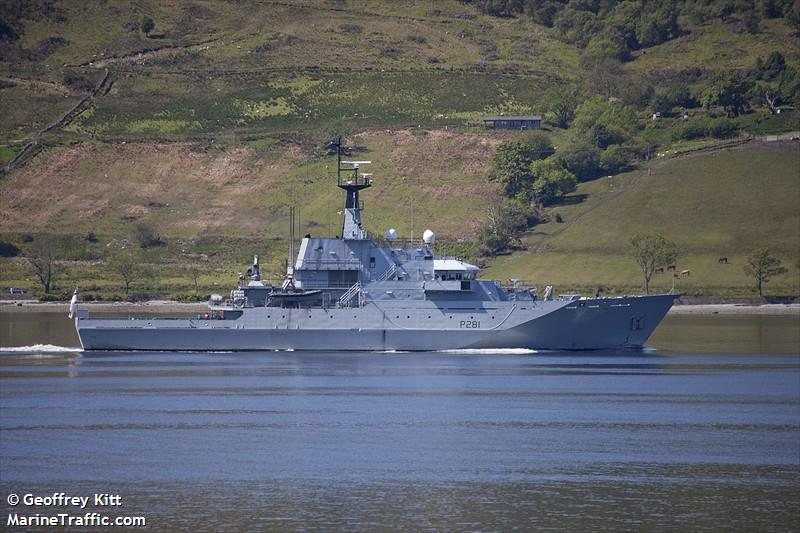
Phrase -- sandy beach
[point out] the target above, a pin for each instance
(164, 306)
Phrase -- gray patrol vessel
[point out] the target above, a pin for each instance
(349, 293)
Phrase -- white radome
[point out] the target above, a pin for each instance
(429, 237)
(391, 234)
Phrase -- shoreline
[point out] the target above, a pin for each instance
(165, 306)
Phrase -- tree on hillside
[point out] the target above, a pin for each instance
(539, 144)
(512, 163)
(506, 220)
(561, 103)
(127, 265)
(582, 159)
(551, 181)
(651, 250)
(729, 92)
(761, 266)
(42, 255)
(611, 114)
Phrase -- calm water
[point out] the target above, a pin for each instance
(702, 432)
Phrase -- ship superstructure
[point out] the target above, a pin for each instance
(350, 293)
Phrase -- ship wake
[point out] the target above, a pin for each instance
(491, 351)
(40, 349)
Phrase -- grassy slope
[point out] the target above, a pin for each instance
(723, 204)
(226, 128)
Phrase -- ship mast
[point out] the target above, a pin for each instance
(349, 179)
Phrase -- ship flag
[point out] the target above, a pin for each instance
(73, 304)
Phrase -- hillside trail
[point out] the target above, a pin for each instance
(36, 145)
(633, 181)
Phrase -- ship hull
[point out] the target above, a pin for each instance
(586, 324)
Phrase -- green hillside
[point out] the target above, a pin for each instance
(207, 126)
(721, 204)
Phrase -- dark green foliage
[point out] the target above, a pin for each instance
(561, 104)
(614, 116)
(602, 136)
(540, 144)
(498, 8)
(505, 223)
(792, 15)
(7, 33)
(551, 181)
(147, 25)
(679, 95)
(582, 159)
(789, 86)
(617, 158)
(718, 128)
(512, 162)
(729, 92)
(8, 249)
(542, 11)
(146, 236)
(771, 68)
(721, 128)
(612, 28)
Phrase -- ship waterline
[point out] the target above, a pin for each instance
(597, 323)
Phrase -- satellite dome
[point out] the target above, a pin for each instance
(391, 234)
(429, 237)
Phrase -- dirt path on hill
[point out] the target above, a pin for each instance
(35, 146)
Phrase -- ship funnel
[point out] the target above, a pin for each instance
(429, 237)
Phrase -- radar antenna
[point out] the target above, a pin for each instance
(349, 179)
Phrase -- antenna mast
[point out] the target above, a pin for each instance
(290, 269)
(351, 182)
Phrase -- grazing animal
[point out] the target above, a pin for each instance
(723, 260)
(686, 273)
(659, 270)
(671, 267)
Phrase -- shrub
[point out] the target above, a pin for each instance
(582, 159)
(616, 158)
(689, 131)
(147, 25)
(8, 249)
(718, 128)
(146, 236)
(721, 128)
